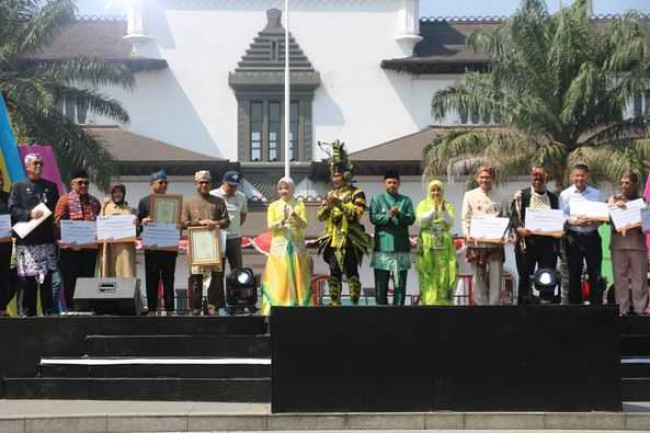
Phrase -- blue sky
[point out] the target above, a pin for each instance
(428, 7)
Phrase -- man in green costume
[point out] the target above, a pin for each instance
(392, 213)
(344, 241)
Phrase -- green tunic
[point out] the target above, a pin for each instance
(392, 244)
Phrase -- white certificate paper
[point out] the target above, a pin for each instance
(545, 221)
(590, 209)
(116, 228)
(628, 217)
(160, 235)
(22, 229)
(489, 228)
(5, 227)
(78, 233)
(645, 219)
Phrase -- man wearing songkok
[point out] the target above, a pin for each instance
(159, 265)
(205, 210)
(36, 252)
(531, 250)
(77, 205)
(582, 241)
(392, 213)
(237, 205)
(344, 241)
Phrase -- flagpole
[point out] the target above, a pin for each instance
(287, 90)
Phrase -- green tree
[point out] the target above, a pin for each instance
(557, 88)
(33, 88)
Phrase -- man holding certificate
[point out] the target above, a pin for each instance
(205, 210)
(160, 265)
(629, 253)
(76, 260)
(486, 258)
(582, 241)
(533, 249)
(30, 201)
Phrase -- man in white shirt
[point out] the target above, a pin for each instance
(582, 241)
(237, 205)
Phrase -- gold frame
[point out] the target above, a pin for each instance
(215, 259)
(155, 199)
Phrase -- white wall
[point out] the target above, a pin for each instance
(191, 105)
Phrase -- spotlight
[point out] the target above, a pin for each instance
(546, 284)
(241, 290)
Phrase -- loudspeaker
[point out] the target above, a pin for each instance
(115, 296)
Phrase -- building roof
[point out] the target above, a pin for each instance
(137, 154)
(93, 37)
(443, 48)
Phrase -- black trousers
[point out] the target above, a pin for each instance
(73, 265)
(7, 276)
(584, 247)
(381, 287)
(233, 254)
(160, 266)
(541, 252)
(350, 263)
(216, 296)
(29, 287)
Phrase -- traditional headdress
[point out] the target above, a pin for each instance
(159, 175)
(339, 162)
(31, 157)
(202, 175)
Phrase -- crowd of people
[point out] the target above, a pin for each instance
(286, 281)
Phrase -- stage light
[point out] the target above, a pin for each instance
(546, 285)
(241, 290)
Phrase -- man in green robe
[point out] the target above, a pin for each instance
(392, 213)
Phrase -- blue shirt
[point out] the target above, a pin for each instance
(572, 194)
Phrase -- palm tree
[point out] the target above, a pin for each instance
(557, 92)
(33, 89)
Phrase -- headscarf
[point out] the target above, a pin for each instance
(289, 182)
(435, 183)
(116, 186)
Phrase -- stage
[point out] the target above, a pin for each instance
(367, 359)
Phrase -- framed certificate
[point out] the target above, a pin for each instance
(166, 208)
(204, 248)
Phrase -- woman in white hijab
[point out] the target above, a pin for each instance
(287, 275)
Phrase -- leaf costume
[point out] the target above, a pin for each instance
(344, 240)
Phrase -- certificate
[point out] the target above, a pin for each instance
(5, 228)
(22, 229)
(203, 248)
(160, 236)
(591, 209)
(489, 229)
(629, 217)
(116, 228)
(645, 219)
(166, 208)
(78, 233)
(545, 222)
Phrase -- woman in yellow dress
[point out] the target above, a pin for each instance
(287, 274)
(117, 259)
